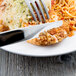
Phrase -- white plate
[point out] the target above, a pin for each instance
(23, 48)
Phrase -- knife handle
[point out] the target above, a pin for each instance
(11, 36)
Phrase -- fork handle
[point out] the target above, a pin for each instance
(10, 37)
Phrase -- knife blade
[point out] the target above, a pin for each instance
(12, 36)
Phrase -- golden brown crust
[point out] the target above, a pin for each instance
(3, 27)
(50, 37)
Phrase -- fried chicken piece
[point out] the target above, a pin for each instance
(51, 36)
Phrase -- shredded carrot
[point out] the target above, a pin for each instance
(1, 2)
(20, 20)
(1, 21)
(25, 24)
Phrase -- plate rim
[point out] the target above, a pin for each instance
(13, 52)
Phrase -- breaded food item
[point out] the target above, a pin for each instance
(3, 27)
(50, 37)
(16, 14)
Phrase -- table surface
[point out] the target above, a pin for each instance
(17, 65)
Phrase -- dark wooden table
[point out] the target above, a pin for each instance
(16, 65)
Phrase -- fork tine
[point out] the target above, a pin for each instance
(29, 2)
(31, 10)
(36, 10)
(45, 9)
(41, 10)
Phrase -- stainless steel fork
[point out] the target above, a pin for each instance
(34, 2)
